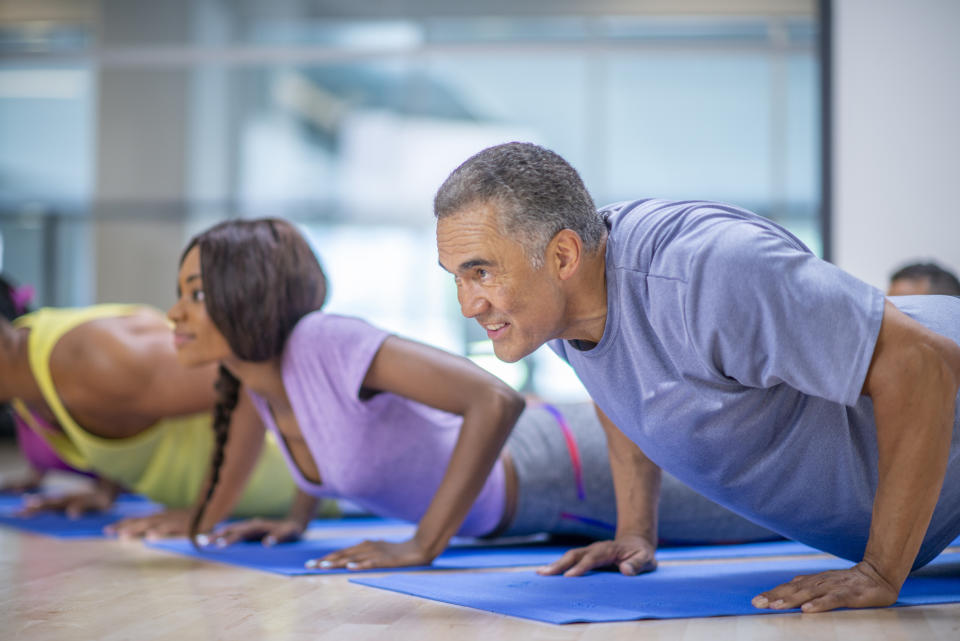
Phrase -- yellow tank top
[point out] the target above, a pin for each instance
(168, 461)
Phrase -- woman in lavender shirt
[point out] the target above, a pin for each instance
(400, 428)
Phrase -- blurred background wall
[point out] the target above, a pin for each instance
(128, 125)
(896, 139)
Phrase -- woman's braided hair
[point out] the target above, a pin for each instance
(260, 277)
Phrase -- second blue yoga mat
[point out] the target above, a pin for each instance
(289, 558)
(675, 591)
(59, 525)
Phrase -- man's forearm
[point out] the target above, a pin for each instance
(636, 481)
(912, 380)
(914, 429)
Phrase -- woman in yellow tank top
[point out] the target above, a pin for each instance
(102, 387)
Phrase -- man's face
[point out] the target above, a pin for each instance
(520, 307)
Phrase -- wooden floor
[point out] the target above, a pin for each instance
(111, 590)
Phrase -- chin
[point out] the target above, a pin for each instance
(509, 354)
(190, 360)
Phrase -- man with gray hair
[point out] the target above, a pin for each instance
(716, 345)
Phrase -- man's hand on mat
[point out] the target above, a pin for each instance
(630, 554)
(267, 531)
(374, 554)
(73, 505)
(859, 587)
(156, 526)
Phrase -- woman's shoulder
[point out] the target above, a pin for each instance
(341, 346)
(320, 324)
(332, 338)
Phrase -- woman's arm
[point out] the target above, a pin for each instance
(241, 452)
(489, 409)
(99, 498)
(271, 531)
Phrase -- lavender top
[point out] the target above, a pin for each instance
(387, 453)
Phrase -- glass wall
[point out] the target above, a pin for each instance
(127, 126)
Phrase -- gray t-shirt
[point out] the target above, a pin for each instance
(735, 358)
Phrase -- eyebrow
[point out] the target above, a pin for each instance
(192, 277)
(470, 264)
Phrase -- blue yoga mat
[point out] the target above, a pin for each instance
(289, 558)
(133, 505)
(680, 591)
(734, 551)
(60, 526)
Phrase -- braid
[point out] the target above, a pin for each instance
(228, 391)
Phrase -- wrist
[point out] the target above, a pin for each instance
(430, 546)
(888, 574)
(648, 535)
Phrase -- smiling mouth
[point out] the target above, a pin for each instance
(495, 330)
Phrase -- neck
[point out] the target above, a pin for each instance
(17, 380)
(263, 377)
(586, 311)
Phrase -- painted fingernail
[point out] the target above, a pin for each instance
(270, 540)
(761, 601)
(203, 539)
(326, 564)
(777, 604)
(312, 563)
(352, 565)
(221, 542)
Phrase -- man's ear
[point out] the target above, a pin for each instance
(565, 251)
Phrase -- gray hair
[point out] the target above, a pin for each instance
(537, 194)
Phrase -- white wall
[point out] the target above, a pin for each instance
(896, 134)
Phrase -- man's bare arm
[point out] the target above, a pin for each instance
(913, 381)
(636, 481)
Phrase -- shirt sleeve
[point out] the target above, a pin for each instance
(339, 349)
(762, 311)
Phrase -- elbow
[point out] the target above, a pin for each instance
(927, 369)
(940, 360)
(506, 402)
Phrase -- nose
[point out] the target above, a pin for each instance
(472, 302)
(175, 313)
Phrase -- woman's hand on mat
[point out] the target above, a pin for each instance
(156, 526)
(374, 554)
(629, 554)
(267, 531)
(29, 482)
(73, 505)
(858, 587)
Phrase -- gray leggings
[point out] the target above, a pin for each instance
(551, 498)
